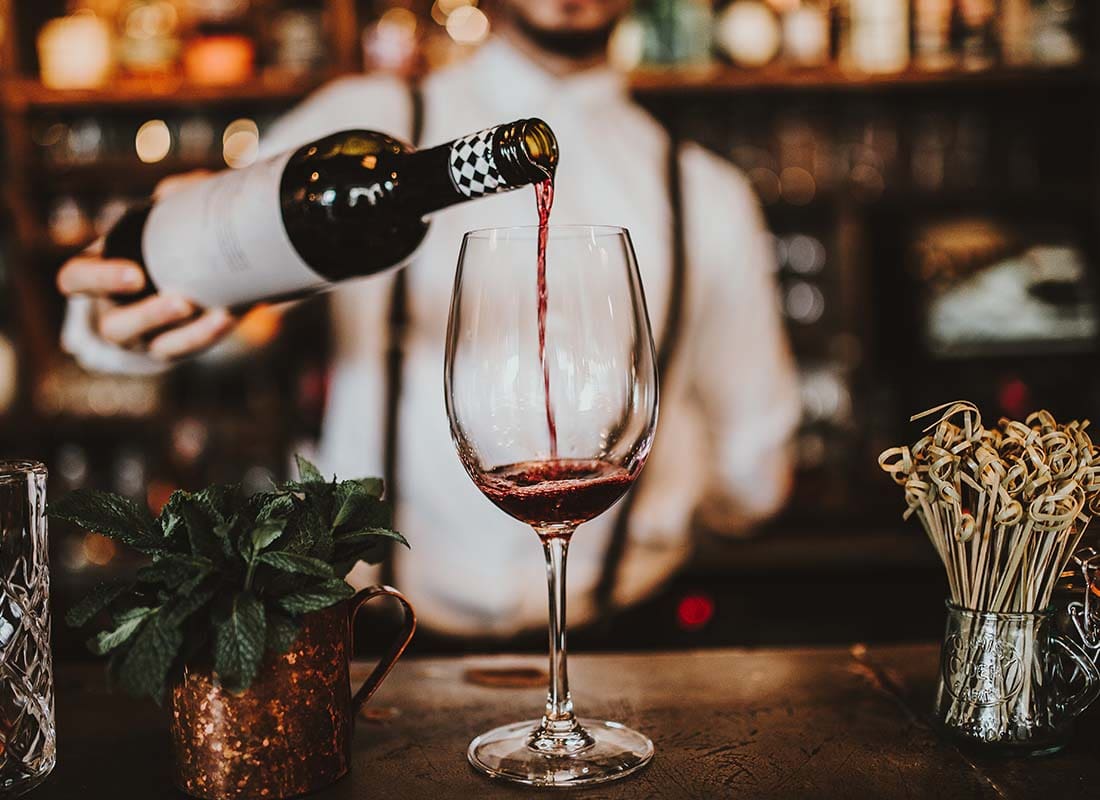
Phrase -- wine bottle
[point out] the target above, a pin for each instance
(349, 205)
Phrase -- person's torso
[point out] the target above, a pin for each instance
(474, 567)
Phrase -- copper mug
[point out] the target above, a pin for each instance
(290, 732)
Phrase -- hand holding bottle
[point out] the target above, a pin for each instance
(351, 204)
(165, 326)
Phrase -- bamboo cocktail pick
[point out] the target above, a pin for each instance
(1005, 508)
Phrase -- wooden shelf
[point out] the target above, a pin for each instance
(122, 173)
(165, 91)
(725, 79)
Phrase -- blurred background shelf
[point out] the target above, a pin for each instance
(831, 78)
(158, 93)
(891, 193)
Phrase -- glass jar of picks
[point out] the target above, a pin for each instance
(1005, 509)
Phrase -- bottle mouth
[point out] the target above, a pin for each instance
(540, 144)
(526, 152)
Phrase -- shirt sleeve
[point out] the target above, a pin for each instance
(741, 368)
(372, 102)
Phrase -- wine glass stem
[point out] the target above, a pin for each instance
(559, 705)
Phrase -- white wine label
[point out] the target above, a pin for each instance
(472, 167)
(221, 242)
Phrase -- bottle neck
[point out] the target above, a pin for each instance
(495, 160)
(426, 181)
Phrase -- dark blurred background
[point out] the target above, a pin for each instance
(928, 168)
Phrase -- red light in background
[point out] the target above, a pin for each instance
(157, 495)
(694, 612)
(1014, 397)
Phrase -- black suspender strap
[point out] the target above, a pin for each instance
(670, 338)
(395, 355)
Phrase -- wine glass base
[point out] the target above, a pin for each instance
(609, 751)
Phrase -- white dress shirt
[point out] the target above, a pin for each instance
(729, 401)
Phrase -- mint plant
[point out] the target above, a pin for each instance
(230, 576)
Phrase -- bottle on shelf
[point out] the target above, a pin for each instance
(932, 34)
(874, 35)
(297, 40)
(676, 31)
(220, 51)
(1015, 30)
(149, 43)
(749, 32)
(806, 34)
(349, 205)
(976, 24)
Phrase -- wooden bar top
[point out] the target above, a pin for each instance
(799, 723)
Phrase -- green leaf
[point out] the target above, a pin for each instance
(298, 536)
(174, 569)
(276, 506)
(316, 532)
(200, 523)
(296, 488)
(177, 611)
(111, 515)
(262, 536)
(192, 584)
(170, 519)
(239, 642)
(282, 632)
(368, 535)
(143, 670)
(100, 597)
(128, 623)
(224, 534)
(357, 508)
(352, 502)
(321, 595)
(294, 563)
(307, 472)
(139, 612)
(221, 500)
(372, 486)
(347, 558)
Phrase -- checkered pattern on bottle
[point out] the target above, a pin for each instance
(473, 168)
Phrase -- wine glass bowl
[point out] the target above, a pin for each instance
(599, 353)
(553, 429)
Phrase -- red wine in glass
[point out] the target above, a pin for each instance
(544, 201)
(546, 494)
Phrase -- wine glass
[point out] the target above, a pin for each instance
(553, 429)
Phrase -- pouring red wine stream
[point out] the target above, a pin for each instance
(555, 492)
(544, 201)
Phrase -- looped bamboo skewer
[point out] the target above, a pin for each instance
(1004, 507)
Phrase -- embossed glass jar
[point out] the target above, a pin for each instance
(1010, 683)
(27, 736)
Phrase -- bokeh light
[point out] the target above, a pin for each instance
(694, 612)
(98, 549)
(153, 142)
(241, 143)
(468, 25)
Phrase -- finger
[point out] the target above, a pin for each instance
(95, 248)
(194, 336)
(88, 275)
(124, 324)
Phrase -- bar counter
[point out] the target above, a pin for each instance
(798, 723)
